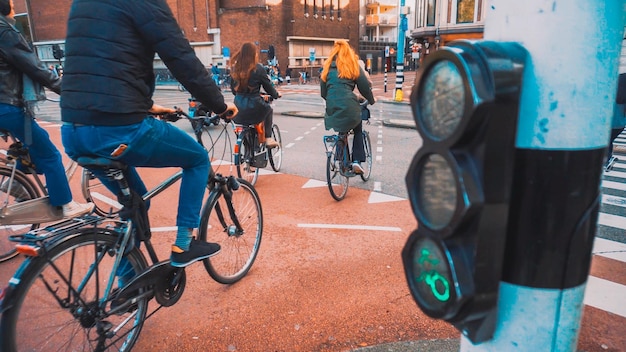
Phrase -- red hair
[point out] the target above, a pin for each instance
(346, 61)
(244, 62)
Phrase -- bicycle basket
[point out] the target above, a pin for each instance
(365, 113)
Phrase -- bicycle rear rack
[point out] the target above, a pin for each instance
(32, 242)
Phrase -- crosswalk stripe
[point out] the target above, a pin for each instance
(609, 249)
(614, 185)
(611, 220)
(613, 200)
(605, 295)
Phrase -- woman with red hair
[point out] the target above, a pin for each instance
(341, 73)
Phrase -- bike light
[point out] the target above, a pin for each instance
(27, 250)
(465, 105)
(192, 104)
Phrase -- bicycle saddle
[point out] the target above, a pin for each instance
(97, 162)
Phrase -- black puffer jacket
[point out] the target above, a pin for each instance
(17, 58)
(110, 47)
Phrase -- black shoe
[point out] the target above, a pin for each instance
(198, 250)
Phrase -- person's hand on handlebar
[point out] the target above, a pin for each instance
(160, 110)
(230, 113)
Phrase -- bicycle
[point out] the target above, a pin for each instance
(64, 295)
(339, 159)
(251, 154)
(208, 129)
(24, 200)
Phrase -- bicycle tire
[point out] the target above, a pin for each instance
(244, 157)
(23, 189)
(367, 146)
(40, 318)
(94, 191)
(238, 251)
(336, 181)
(276, 154)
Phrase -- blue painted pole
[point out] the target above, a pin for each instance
(402, 27)
(566, 106)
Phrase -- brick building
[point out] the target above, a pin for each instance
(293, 27)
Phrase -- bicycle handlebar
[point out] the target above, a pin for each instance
(205, 120)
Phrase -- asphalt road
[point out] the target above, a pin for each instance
(329, 276)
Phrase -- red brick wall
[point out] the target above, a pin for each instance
(48, 19)
(238, 20)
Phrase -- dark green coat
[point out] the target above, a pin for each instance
(342, 105)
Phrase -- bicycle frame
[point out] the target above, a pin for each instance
(330, 143)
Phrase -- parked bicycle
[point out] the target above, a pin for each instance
(339, 159)
(251, 154)
(24, 203)
(64, 296)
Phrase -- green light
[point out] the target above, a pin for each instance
(431, 277)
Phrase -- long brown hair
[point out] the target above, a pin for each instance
(346, 61)
(244, 62)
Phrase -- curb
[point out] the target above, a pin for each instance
(399, 123)
(305, 114)
(443, 345)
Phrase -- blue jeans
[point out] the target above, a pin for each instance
(151, 143)
(43, 153)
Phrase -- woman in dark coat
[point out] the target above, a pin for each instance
(341, 73)
(248, 78)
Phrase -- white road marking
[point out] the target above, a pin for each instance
(376, 197)
(611, 220)
(610, 249)
(605, 295)
(314, 183)
(351, 227)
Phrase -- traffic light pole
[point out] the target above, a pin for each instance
(402, 27)
(564, 122)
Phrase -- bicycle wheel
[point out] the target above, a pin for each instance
(21, 190)
(276, 154)
(95, 191)
(337, 182)
(244, 157)
(367, 146)
(239, 248)
(57, 304)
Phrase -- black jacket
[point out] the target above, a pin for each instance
(18, 58)
(252, 108)
(110, 48)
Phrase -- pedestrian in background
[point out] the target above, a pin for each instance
(288, 75)
(340, 74)
(215, 74)
(22, 76)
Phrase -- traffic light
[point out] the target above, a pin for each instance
(271, 53)
(57, 52)
(465, 104)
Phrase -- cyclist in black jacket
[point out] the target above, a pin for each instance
(249, 77)
(17, 61)
(107, 92)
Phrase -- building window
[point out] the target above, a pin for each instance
(21, 23)
(465, 11)
(430, 14)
